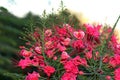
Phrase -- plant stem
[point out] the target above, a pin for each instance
(48, 78)
(113, 29)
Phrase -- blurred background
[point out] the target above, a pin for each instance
(18, 15)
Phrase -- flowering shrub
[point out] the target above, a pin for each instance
(66, 53)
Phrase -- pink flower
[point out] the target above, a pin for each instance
(38, 50)
(113, 62)
(66, 25)
(78, 45)
(36, 35)
(97, 56)
(98, 26)
(106, 59)
(68, 76)
(92, 33)
(23, 63)
(80, 61)
(76, 60)
(37, 60)
(70, 67)
(66, 41)
(88, 55)
(48, 44)
(117, 74)
(25, 53)
(64, 55)
(81, 73)
(117, 58)
(108, 77)
(49, 70)
(117, 48)
(69, 28)
(32, 76)
(50, 53)
(92, 30)
(55, 58)
(22, 47)
(61, 31)
(48, 32)
(60, 47)
(79, 34)
(114, 39)
(84, 62)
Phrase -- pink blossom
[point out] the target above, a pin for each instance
(117, 58)
(55, 58)
(38, 49)
(80, 61)
(79, 34)
(114, 40)
(117, 74)
(28, 43)
(49, 70)
(25, 53)
(36, 35)
(60, 47)
(69, 28)
(76, 60)
(117, 48)
(32, 76)
(50, 53)
(88, 55)
(48, 44)
(106, 59)
(113, 62)
(66, 41)
(98, 26)
(68, 76)
(64, 55)
(92, 33)
(66, 25)
(92, 30)
(97, 56)
(70, 67)
(37, 60)
(83, 62)
(81, 73)
(108, 77)
(22, 47)
(23, 63)
(61, 31)
(78, 45)
(48, 32)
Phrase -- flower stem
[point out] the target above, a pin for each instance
(113, 29)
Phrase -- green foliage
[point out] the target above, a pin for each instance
(11, 28)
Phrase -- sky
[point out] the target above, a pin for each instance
(102, 11)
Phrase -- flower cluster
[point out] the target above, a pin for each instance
(66, 53)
